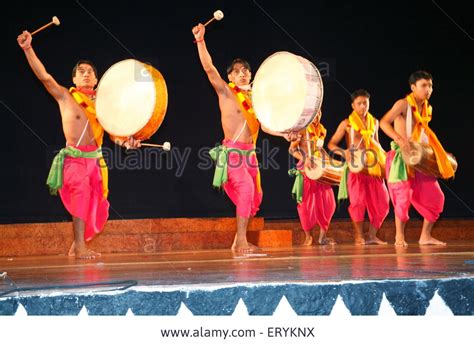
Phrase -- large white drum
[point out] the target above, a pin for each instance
(287, 92)
(131, 99)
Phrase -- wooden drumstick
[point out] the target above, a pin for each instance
(55, 21)
(218, 15)
(166, 145)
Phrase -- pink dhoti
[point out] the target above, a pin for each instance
(318, 205)
(241, 185)
(368, 193)
(421, 191)
(82, 192)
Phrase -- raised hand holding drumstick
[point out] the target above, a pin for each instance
(24, 40)
(199, 29)
(198, 32)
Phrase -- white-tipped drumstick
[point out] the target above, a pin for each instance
(218, 15)
(54, 21)
(166, 145)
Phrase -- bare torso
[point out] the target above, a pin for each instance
(357, 138)
(400, 124)
(74, 120)
(232, 118)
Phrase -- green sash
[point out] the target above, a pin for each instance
(398, 169)
(220, 155)
(55, 177)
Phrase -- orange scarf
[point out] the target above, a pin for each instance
(89, 108)
(245, 103)
(422, 120)
(367, 132)
(315, 133)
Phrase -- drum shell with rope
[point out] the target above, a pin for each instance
(421, 157)
(287, 92)
(131, 100)
(326, 170)
(359, 163)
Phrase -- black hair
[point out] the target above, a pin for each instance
(237, 61)
(419, 75)
(83, 61)
(360, 93)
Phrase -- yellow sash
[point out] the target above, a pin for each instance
(367, 133)
(89, 108)
(315, 133)
(245, 103)
(422, 120)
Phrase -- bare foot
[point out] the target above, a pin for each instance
(431, 241)
(401, 243)
(82, 253)
(87, 254)
(308, 241)
(71, 252)
(375, 240)
(244, 248)
(327, 241)
(359, 241)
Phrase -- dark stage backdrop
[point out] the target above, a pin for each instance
(359, 44)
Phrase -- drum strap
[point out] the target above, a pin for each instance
(308, 143)
(83, 132)
(409, 127)
(240, 133)
(409, 122)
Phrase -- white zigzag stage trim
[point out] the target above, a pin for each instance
(241, 309)
(21, 311)
(438, 306)
(386, 309)
(184, 311)
(284, 309)
(339, 309)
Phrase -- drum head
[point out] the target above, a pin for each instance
(287, 92)
(317, 171)
(414, 155)
(129, 95)
(357, 163)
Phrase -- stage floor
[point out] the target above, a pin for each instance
(330, 268)
(298, 264)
